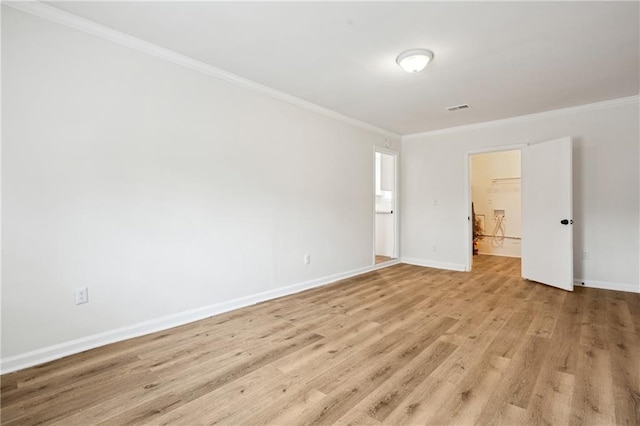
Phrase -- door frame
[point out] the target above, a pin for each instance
(467, 194)
(396, 204)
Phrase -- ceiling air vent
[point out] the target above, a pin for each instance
(458, 107)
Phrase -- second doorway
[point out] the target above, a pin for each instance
(497, 209)
(385, 246)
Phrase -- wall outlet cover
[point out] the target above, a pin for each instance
(82, 295)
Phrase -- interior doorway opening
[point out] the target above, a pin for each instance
(546, 244)
(385, 213)
(496, 196)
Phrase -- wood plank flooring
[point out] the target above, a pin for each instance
(401, 345)
(502, 265)
(382, 259)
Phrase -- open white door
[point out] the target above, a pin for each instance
(547, 231)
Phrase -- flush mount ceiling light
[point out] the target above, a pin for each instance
(414, 60)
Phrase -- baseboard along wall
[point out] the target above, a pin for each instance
(50, 353)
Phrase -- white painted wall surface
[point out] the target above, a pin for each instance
(605, 188)
(492, 188)
(161, 189)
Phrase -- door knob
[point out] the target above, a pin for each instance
(566, 221)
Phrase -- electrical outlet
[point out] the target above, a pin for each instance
(435, 203)
(307, 259)
(585, 255)
(435, 248)
(82, 295)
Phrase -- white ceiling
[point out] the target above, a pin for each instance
(503, 58)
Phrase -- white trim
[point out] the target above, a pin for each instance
(433, 264)
(498, 148)
(606, 285)
(529, 117)
(90, 27)
(50, 353)
(383, 150)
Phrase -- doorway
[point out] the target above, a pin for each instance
(495, 179)
(385, 213)
(546, 252)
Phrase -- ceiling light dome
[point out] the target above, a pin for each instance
(414, 60)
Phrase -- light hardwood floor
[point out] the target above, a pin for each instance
(497, 264)
(402, 345)
(382, 259)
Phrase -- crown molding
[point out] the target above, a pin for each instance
(529, 117)
(90, 27)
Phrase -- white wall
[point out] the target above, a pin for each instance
(162, 189)
(495, 184)
(605, 188)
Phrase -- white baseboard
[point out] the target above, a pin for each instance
(50, 353)
(606, 285)
(434, 264)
